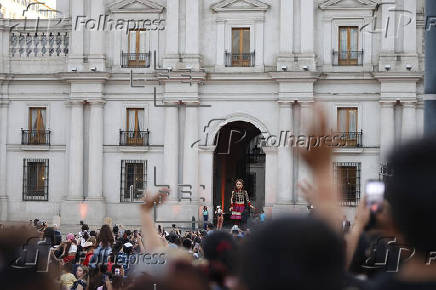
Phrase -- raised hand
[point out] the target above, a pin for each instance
(319, 156)
(151, 200)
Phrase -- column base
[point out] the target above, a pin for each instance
(398, 62)
(296, 62)
(180, 213)
(192, 59)
(97, 61)
(283, 209)
(75, 62)
(171, 60)
(91, 211)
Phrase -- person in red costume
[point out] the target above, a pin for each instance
(239, 201)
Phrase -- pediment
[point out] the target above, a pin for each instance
(136, 6)
(239, 5)
(349, 4)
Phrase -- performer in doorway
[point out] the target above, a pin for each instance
(220, 218)
(239, 201)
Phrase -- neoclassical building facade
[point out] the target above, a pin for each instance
(115, 98)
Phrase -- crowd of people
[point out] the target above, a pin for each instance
(391, 248)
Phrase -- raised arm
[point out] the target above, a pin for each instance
(325, 197)
(151, 238)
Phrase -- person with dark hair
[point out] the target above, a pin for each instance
(205, 217)
(219, 217)
(209, 228)
(313, 261)
(105, 241)
(171, 238)
(239, 202)
(411, 193)
(187, 244)
(220, 250)
(115, 231)
(81, 276)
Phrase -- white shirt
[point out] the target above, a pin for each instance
(73, 249)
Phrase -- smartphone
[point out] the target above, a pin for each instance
(375, 193)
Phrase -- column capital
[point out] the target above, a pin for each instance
(306, 103)
(387, 103)
(411, 104)
(74, 103)
(285, 103)
(95, 102)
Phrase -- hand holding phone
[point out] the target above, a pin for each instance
(374, 193)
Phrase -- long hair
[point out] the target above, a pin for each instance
(105, 236)
(241, 181)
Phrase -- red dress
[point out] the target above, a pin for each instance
(238, 201)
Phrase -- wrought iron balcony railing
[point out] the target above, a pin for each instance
(39, 44)
(239, 59)
(350, 139)
(134, 138)
(35, 137)
(140, 60)
(347, 58)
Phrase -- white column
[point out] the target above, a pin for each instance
(192, 26)
(307, 23)
(259, 44)
(285, 162)
(75, 185)
(328, 45)
(409, 28)
(306, 117)
(3, 155)
(270, 175)
(286, 26)
(206, 156)
(78, 28)
(172, 27)
(220, 45)
(97, 42)
(171, 149)
(386, 128)
(408, 128)
(388, 25)
(95, 175)
(190, 154)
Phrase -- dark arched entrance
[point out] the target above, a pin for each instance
(238, 155)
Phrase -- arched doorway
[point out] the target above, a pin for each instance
(238, 154)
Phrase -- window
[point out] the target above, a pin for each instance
(348, 176)
(136, 56)
(347, 126)
(348, 45)
(37, 119)
(35, 179)
(241, 55)
(135, 135)
(133, 180)
(36, 134)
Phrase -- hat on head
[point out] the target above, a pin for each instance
(70, 237)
